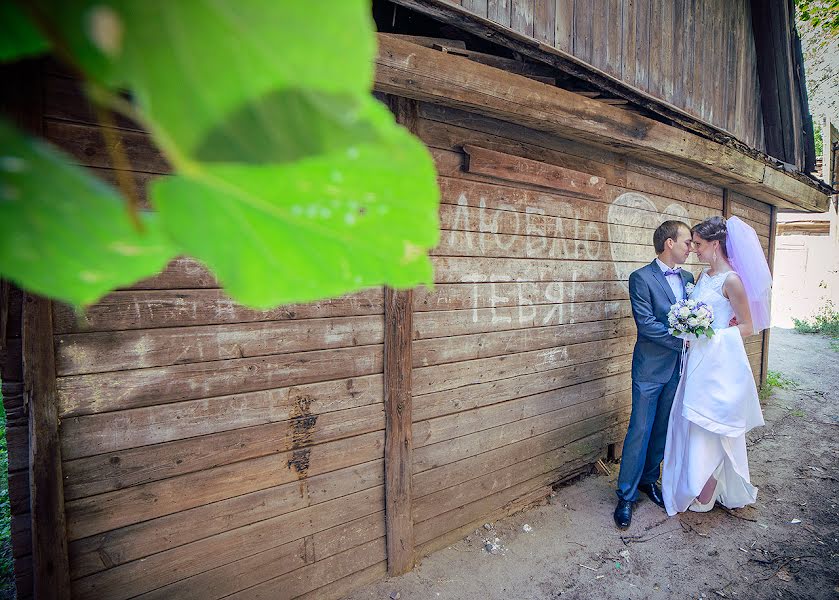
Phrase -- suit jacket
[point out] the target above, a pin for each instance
(657, 353)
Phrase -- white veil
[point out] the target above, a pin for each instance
(746, 257)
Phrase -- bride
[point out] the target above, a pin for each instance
(716, 402)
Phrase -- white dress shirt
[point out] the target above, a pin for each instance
(675, 281)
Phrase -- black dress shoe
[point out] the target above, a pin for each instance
(654, 492)
(623, 514)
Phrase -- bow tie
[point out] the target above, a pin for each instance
(676, 271)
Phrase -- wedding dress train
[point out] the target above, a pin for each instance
(716, 403)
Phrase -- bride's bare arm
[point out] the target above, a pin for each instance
(735, 292)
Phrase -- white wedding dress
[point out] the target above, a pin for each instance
(716, 403)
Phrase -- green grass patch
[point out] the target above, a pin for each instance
(775, 379)
(825, 322)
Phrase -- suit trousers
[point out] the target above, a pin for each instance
(643, 447)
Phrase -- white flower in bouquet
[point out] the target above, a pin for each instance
(690, 319)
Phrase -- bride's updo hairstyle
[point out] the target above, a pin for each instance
(713, 229)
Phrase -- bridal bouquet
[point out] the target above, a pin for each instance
(690, 319)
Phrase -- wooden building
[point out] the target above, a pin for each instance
(171, 444)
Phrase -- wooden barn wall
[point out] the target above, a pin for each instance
(696, 55)
(209, 450)
(522, 350)
(213, 451)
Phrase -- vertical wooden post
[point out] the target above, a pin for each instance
(51, 572)
(398, 437)
(22, 100)
(773, 234)
(398, 335)
(726, 203)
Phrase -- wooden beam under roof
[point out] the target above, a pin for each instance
(408, 70)
(469, 22)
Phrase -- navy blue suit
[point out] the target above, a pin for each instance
(655, 377)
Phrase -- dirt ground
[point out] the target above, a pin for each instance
(785, 546)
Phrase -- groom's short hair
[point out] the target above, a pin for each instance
(669, 230)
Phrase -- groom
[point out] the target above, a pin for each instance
(653, 289)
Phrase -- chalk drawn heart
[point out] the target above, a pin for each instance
(629, 211)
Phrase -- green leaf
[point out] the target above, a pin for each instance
(318, 227)
(293, 183)
(196, 67)
(65, 234)
(18, 36)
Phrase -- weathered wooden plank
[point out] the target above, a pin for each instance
(643, 54)
(479, 7)
(17, 445)
(512, 168)
(19, 492)
(432, 379)
(564, 37)
(398, 430)
(569, 385)
(138, 464)
(101, 392)
(507, 420)
(457, 243)
(627, 53)
(622, 206)
(498, 457)
(21, 530)
(666, 44)
(469, 269)
(583, 34)
(86, 145)
(121, 507)
(150, 309)
(437, 351)
(441, 324)
(51, 573)
(226, 579)
(676, 190)
(460, 296)
(511, 388)
(500, 11)
(200, 568)
(576, 456)
(116, 430)
(116, 351)
(263, 566)
(357, 484)
(544, 21)
(613, 42)
(518, 464)
(343, 587)
(522, 16)
(309, 577)
(180, 273)
(65, 100)
(450, 130)
(470, 226)
(751, 209)
(677, 64)
(427, 41)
